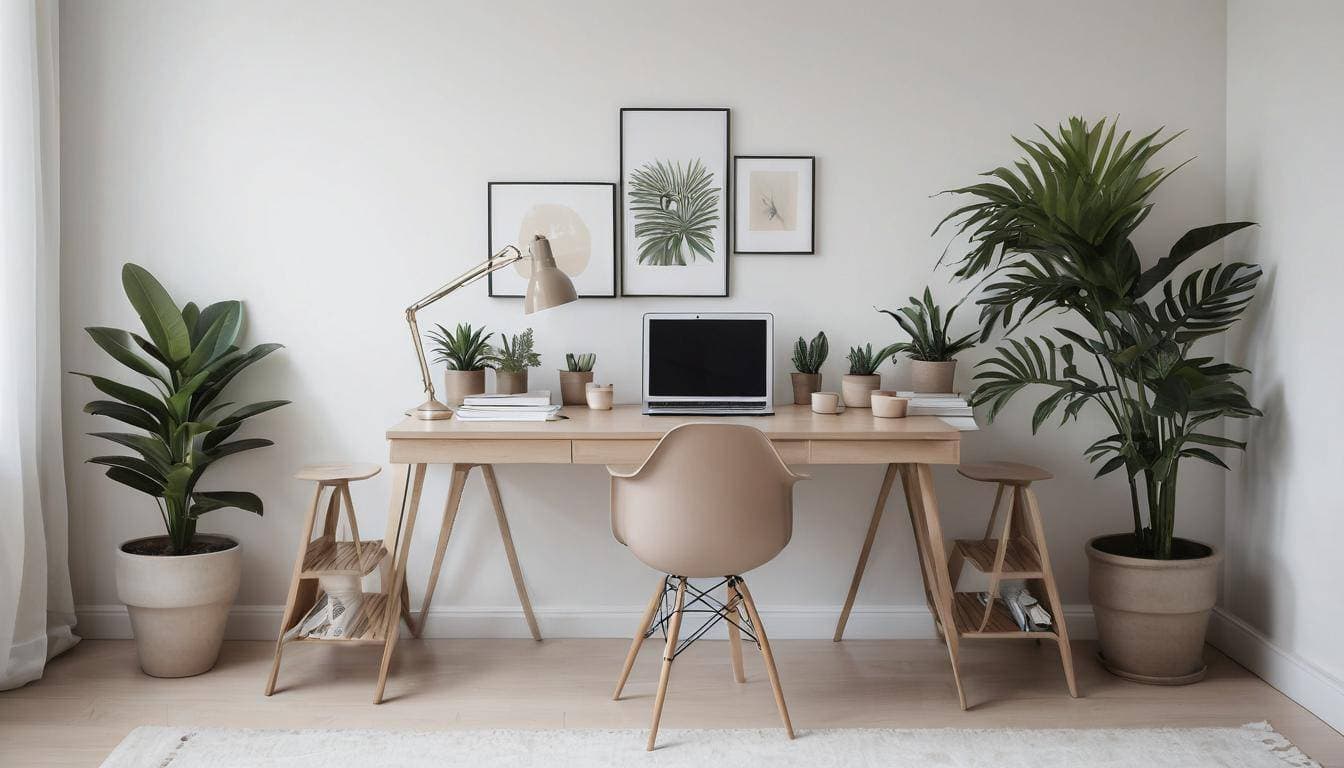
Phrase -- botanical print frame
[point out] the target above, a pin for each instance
(675, 201)
(578, 217)
(776, 205)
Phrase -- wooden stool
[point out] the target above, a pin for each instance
(1019, 552)
(328, 556)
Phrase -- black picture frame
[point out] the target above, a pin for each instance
(490, 245)
(812, 212)
(727, 201)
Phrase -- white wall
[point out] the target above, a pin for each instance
(1284, 616)
(327, 163)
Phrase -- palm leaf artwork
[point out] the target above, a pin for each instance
(1052, 234)
(676, 210)
(192, 357)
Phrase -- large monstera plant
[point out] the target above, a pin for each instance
(1053, 233)
(676, 211)
(189, 358)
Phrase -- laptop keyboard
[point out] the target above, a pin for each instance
(707, 405)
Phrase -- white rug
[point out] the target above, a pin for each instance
(1250, 746)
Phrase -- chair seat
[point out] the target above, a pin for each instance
(1006, 472)
(337, 473)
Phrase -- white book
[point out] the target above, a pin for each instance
(963, 423)
(930, 409)
(509, 408)
(540, 397)
(469, 414)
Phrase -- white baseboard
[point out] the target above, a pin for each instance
(899, 622)
(1300, 680)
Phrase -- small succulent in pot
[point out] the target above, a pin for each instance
(576, 377)
(857, 386)
(515, 356)
(466, 352)
(807, 361)
(932, 351)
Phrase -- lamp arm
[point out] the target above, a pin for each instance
(502, 258)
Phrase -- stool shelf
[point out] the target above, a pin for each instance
(968, 611)
(1020, 559)
(368, 628)
(326, 557)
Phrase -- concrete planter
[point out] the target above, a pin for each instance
(179, 605)
(511, 382)
(1152, 615)
(927, 376)
(458, 384)
(857, 389)
(804, 384)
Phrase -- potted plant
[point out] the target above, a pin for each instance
(807, 360)
(467, 353)
(574, 380)
(1130, 356)
(857, 386)
(515, 357)
(178, 587)
(932, 353)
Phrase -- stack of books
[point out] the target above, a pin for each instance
(948, 406)
(529, 406)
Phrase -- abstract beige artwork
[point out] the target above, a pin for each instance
(774, 196)
(571, 243)
(578, 218)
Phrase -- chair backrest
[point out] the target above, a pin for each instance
(712, 500)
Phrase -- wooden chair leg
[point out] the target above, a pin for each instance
(669, 653)
(403, 540)
(291, 601)
(733, 615)
(492, 486)
(1056, 605)
(450, 507)
(767, 655)
(867, 548)
(638, 642)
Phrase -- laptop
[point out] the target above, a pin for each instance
(708, 363)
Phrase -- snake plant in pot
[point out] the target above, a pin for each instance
(179, 587)
(857, 386)
(1052, 233)
(932, 352)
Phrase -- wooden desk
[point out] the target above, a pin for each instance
(908, 447)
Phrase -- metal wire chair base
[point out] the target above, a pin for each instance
(713, 608)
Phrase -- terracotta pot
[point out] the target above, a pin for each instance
(1152, 614)
(573, 385)
(804, 384)
(459, 384)
(858, 388)
(179, 605)
(926, 376)
(511, 382)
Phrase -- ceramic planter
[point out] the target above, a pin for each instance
(511, 382)
(179, 605)
(804, 384)
(857, 389)
(573, 385)
(926, 376)
(1152, 614)
(458, 384)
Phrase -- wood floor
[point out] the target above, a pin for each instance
(92, 696)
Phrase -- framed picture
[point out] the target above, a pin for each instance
(674, 202)
(776, 204)
(578, 217)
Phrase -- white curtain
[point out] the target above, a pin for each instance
(37, 611)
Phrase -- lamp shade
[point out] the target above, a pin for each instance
(549, 286)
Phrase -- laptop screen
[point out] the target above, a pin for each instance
(708, 357)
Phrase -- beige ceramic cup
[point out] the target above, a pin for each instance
(600, 396)
(827, 402)
(887, 405)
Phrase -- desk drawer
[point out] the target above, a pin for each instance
(885, 451)
(634, 452)
(421, 451)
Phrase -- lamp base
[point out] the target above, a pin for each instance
(432, 410)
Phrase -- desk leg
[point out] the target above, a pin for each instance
(401, 525)
(918, 480)
(881, 504)
(450, 507)
(493, 487)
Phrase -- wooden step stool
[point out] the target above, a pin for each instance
(1019, 552)
(328, 556)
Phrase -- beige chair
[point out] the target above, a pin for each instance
(712, 501)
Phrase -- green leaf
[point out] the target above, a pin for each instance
(117, 343)
(130, 463)
(129, 395)
(1214, 440)
(159, 314)
(217, 339)
(154, 451)
(248, 411)
(126, 414)
(135, 480)
(1190, 243)
(237, 446)
(209, 501)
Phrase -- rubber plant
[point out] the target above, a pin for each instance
(1053, 233)
(189, 359)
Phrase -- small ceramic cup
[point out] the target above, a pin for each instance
(600, 396)
(827, 402)
(886, 405)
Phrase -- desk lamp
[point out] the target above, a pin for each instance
(548, 287)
